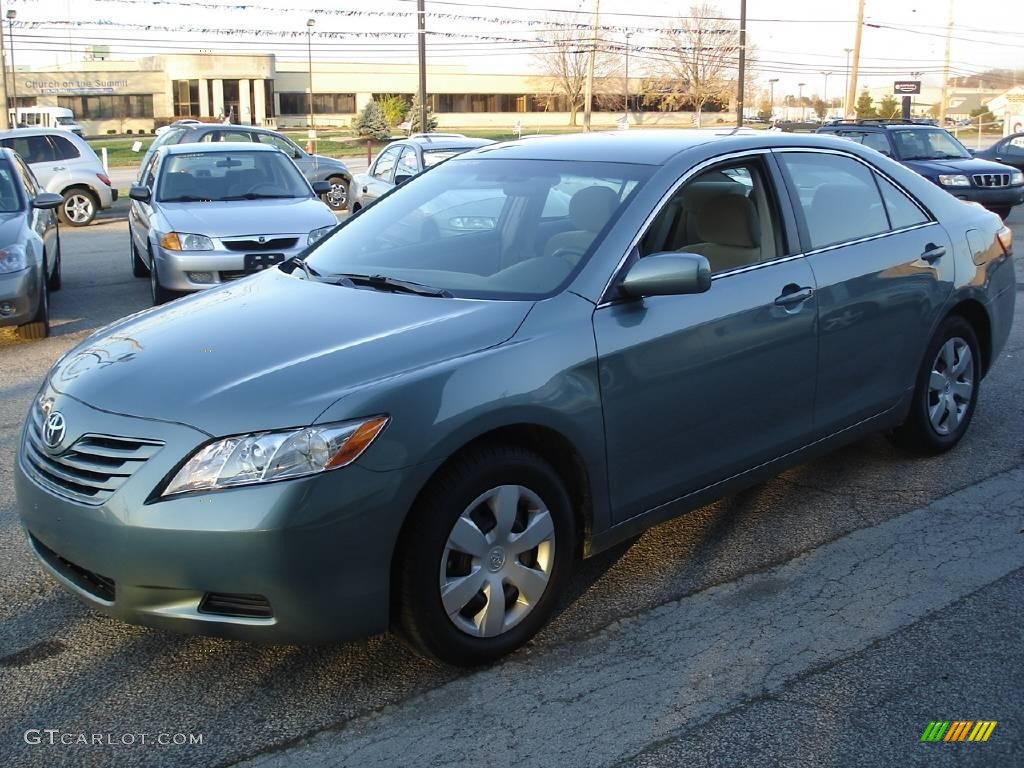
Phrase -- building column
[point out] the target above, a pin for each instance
(244, 107)
(204, 99)
(259, 109)
(218, 98)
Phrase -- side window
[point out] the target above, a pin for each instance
(903, 212)
(64, 149)
(407, 163)
(878, 142)
(277, 141)
(727, 214)
(386, 163)
(147, 175)
(33, 149)
(838, 197)
(231, 136)
(1014, 147)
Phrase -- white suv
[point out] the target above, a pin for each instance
(65, 164)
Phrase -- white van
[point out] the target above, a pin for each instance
(61, 118)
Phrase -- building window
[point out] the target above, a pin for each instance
(231, 99)
(323, 103)
(108, 107)
(268, 97)
(186, 98)
(497, 102)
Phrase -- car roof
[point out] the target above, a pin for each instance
(447, 142)
(860, 125)
(14, 132)
(192, 147)
(200, 127)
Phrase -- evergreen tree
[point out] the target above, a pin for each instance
(864, 105)
(889, 107)
(414, 117)
(371, 123)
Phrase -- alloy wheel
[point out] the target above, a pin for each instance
(497, 561)
(337, 198)
(78, 208)
(950, 386)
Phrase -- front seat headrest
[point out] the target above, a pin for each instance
(592, 207)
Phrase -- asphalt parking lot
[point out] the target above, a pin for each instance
(823, 618)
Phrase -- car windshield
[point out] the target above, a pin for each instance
(65, 121)
(485, 228)
(9, 200)
(934, 144)
(223, 176)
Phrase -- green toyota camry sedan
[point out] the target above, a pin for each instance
(523, 356)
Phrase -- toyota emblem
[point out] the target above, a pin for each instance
(54, 429)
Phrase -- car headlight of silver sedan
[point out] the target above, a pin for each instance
(12, 259)
(263, 457)
(954, 180)
(319, 234)
(182, 241)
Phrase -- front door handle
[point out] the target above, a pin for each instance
(933, 252)
(794, 294)
(58, 168)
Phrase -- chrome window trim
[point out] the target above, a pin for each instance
(604, 300)
(868, 238)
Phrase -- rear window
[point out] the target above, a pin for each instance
(64, 149)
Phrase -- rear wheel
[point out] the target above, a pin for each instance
(39, 326)
(1003, 211)
(484, 556)
(79, 207)
(946, 391)
(337, 198)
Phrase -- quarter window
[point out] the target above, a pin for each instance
(65, 149)
(385, 163)
(903, 212)
(838, 196)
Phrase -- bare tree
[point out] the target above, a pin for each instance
(565, 60)
(701, 56)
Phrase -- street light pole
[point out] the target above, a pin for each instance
(800, 98)
(421, 41)
(5, 113)
(771, 96)
(625, 112)
(742, 69)
(588, 95)
(846, 85)
(11, 16)
(309, 59)
(824, 91)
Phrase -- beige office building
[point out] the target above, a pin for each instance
(139, 95)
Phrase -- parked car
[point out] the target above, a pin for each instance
(206, 214)
(424, 428)
(1008, 151)
(939, 157)
(29, 249)
(313, 167)
(400, 160)
(66, 165)
(177, 123)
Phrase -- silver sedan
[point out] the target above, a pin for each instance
(206, 214)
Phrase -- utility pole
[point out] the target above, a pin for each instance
(851, 87)
(824, 91)
(625, 111)
(588, 96)
(309, 60)
(800, 101)
(742, 73)
(771, 96)
(11, 15)
(4, 124)
(846, 85)
(945, 68)
(421, 40)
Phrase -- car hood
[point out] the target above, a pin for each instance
(329, 162)
(964, 165)
(247, 217)
(271, 351)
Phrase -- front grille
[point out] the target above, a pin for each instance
(272, 244)
(99, 586)
(226, 276)
(246, 606)
(991, 179)
(91, 470)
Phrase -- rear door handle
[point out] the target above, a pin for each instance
(794, 294)
(933, 252)
(58, 168)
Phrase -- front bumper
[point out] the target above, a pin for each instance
(317, 549)
(991, 197)
(19, 291)
(223, 264)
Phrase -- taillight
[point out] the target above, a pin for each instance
(104, 178)
(1005, 236)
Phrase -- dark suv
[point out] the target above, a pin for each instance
(939, 157)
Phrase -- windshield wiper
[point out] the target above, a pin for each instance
(184, 199)
(385, 283)
(311, 274)
(257, 196)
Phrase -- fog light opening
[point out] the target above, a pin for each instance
(201, 277)
(6, 309)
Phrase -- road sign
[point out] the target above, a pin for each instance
(907, 87)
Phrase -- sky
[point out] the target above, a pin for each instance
(795, 40)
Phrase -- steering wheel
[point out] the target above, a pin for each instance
(570, 256)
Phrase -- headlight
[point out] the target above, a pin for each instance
(265, 456)
(12, 259)
(1017, 177)
(319, 234)
(180, 241)
(954, 180)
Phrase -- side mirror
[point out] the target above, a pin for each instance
(401, 178)
(297, 154)
(47, 200)
(140, 192)
(321, 188)
(667, 274)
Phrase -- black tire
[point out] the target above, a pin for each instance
(157, 292)
(79, 208)
(918, 434)
(1002, 211)
(420, 615)
(54, 281)
(338, 198)
(139, 267)
(39, 326)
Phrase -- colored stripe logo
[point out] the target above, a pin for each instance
(958, 730)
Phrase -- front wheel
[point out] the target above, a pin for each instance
(946, 391)
(79, 207)
(39, 326)
(337, 198)
(157, 292)
(1003, 211)
(484, 556)
(139, 268)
